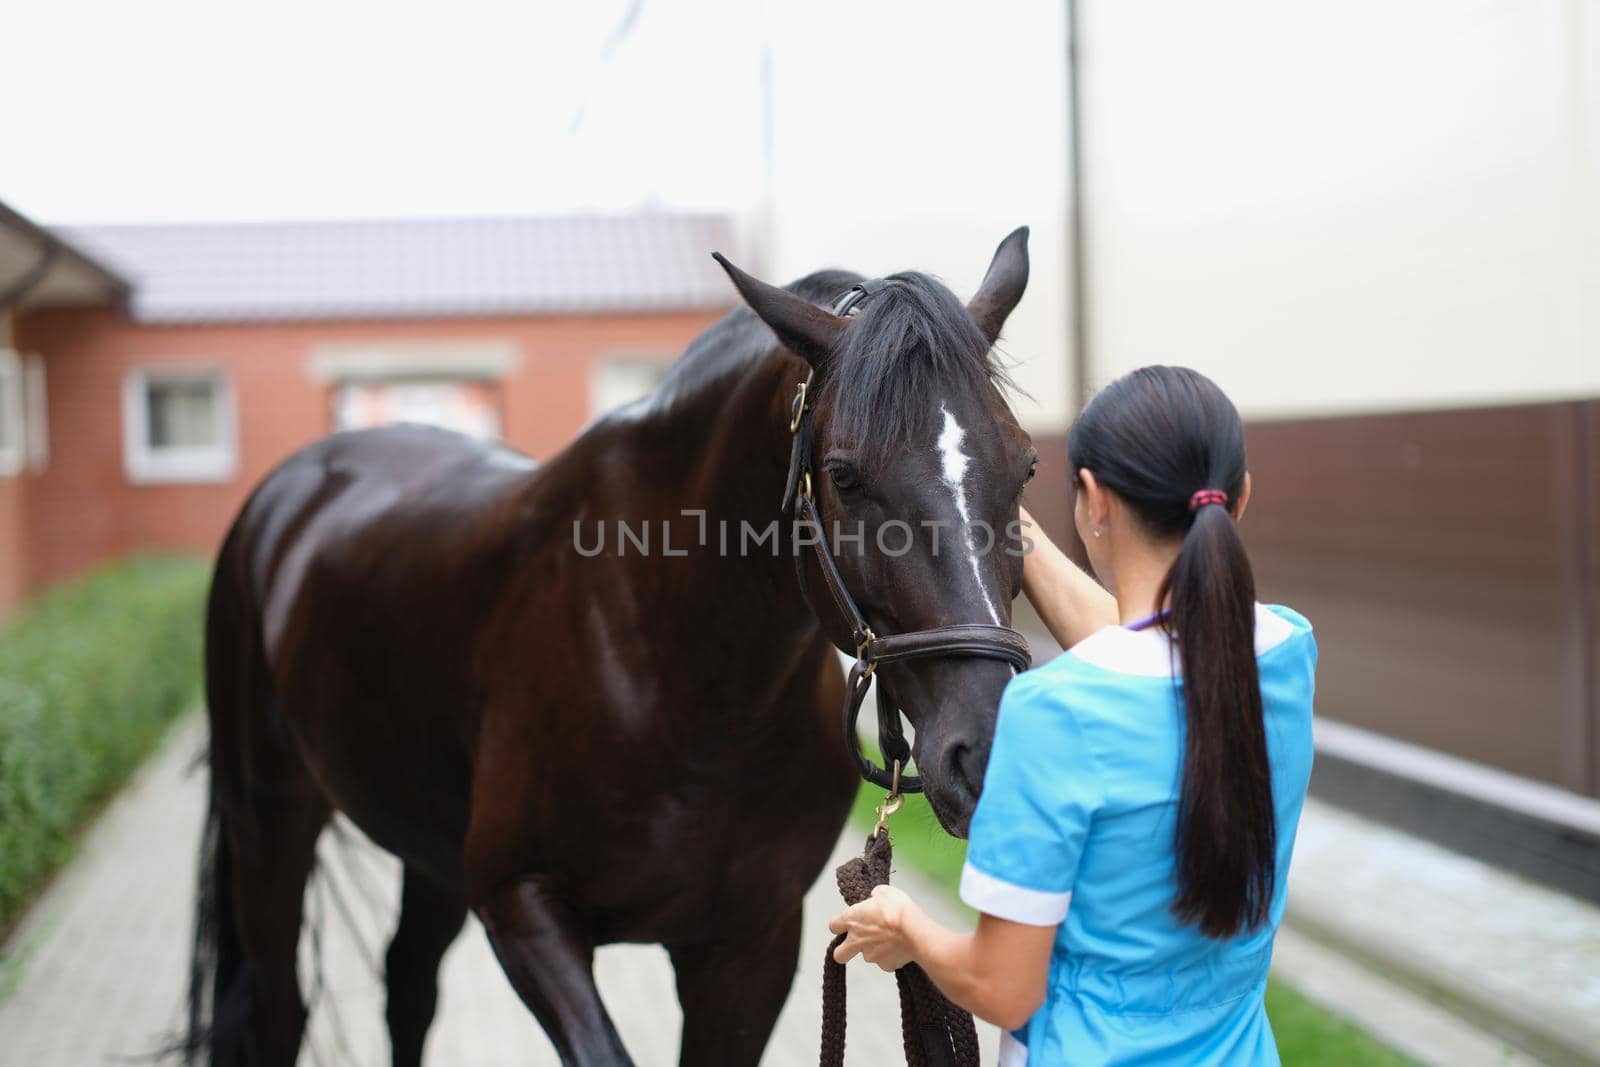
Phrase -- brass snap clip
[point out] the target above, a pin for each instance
(892, 802)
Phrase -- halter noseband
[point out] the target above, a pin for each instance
(974, 639)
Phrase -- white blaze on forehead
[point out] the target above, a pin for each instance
(953, 464)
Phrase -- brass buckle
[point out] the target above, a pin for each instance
(799, 406)
(865, 646)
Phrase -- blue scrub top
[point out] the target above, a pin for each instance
(1076, 827)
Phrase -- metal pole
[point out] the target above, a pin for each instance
(1077, 254)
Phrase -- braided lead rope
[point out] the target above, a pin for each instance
(936, 1032)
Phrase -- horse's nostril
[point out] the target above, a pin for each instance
(965, 771)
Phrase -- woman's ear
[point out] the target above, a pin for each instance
(1244, 499)
(1096, 500)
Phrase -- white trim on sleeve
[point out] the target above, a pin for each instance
(994, 896)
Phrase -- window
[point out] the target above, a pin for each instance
(13, 438)
(617, 382)
(37, 413)
(472, 407)
(178, 425)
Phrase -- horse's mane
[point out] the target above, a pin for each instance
(910, 345)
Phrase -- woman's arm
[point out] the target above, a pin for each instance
(998, 972)
(1072, 604)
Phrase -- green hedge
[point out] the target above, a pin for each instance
(91, 673)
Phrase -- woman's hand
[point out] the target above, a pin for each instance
(876, 929)
(998, 973)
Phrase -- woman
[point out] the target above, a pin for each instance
(1131, 847)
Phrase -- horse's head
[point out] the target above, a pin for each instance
(916, 449)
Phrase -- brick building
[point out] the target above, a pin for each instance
(150, 375)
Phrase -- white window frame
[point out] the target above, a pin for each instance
(145, 465)
(37, 405)
(13, 449)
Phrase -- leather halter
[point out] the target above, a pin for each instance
(973, 639)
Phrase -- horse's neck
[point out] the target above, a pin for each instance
(735, 472)
(740, 427)
(703, 472)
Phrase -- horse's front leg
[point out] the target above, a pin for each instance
(550, 961)
(732, 990)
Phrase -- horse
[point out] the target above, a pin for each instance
(581, 745)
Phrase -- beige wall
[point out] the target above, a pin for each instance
(1360, 206)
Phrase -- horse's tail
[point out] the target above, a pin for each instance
(220, 986)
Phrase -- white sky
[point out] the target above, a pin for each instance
(183, 109)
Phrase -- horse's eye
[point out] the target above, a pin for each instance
(1033, 468)
(845, 479)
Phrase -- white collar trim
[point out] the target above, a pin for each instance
(1149, 653)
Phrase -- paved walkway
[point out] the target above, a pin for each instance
(96, 973)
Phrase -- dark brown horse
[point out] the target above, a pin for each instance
(585, 747)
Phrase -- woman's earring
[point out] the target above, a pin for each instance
(1097, 531)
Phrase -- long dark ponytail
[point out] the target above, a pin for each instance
(1157, 437)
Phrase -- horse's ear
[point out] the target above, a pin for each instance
(807, 330)
(1002, 287)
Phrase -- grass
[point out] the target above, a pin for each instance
(91, 674)
(1307, 1035)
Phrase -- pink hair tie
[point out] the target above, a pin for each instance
(1202, 497)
